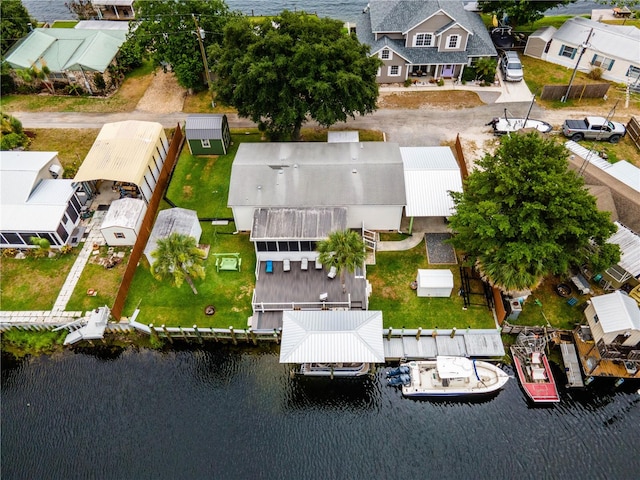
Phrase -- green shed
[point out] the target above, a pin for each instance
(207, 134)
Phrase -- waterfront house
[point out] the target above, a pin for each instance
(207, 134)
(172, 220)
(121, 225)
(72, 56)
(365, 178)
(35, 201)
(130, 153)
(611, 48)
(114, 9)
(423, 40)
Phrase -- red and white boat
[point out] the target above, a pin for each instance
(534, 371)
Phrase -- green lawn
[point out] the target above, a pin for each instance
(391, 278)
(33, 283)
(229, 292)
(64, 24)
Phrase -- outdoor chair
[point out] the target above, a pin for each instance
(318, 264)
(269, 266)
(286, 265)
(332, 273)
(304, 264)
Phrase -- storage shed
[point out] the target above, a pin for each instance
(207, 134)
(173, 220)
(538, 41)
(122, 223)
(434, 283)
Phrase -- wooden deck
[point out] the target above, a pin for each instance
(594, 365)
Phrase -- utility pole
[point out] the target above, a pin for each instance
(200, 35)
(573, 75)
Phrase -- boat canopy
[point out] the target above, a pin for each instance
(454, 367)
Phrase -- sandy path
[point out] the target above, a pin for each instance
(164, 95)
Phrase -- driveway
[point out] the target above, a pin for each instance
(513, 92)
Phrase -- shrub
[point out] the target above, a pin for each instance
(595, 73)
(99, 81)
(469, 74)
(440, 82)
(408, 82)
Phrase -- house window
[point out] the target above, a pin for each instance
(602, 62)
(596, 319)
(118, 235)
(566, 51)
(633, 72)
(394, 70)
(205, 143)
(423, 40)
(386, 54)
(453, 41)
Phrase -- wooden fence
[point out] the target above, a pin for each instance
(633, 131)
(147, 223)
(592, 90)
(462, 163)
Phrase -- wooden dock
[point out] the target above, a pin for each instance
(571, 365)
(425, 344)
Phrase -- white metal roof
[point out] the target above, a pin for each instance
(308, 174)
(102, 24)
(613, 41)
(201, 126)
(122, 151)
(124, 212)
(430, 173)
(19, 172)
(629, 243)
(626, 172)
(327, 336)
(434, 278)
(544, 33)
(616, 312)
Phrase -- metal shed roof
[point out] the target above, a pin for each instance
(124, 212)
(173, 220)
(122, 151)
(544, 33)
(297, 223)
(626, 172)
(430, 173)
(305, 174)
(343, 136)
(204, 127)
(616, 312)
(63, 49)
(629, 243)
(328, 336)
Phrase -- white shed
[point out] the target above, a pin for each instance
(121, 224)
(173, 220)
(434, 282)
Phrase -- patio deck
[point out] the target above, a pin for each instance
(301, 289)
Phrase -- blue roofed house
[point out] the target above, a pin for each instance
(72, 56)
(431, 39)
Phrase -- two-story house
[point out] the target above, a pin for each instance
(431, 39)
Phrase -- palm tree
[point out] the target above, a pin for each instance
(344, 249)
(179, 258)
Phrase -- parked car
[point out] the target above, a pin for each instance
(593, 128)
(511, 66)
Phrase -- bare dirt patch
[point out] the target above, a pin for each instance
(442, 100)
(164, 95)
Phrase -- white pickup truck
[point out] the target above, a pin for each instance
(593, 128)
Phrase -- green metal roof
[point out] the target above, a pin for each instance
(63, 49)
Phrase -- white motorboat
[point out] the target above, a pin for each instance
(448, 376)
(505, 125)
(334, 369)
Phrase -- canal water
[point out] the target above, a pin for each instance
(229, 413)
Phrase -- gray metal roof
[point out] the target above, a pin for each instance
(327, 336)
(343, 136)
(626, 172)
(297, 223)
(124, 212)
(430, 173)
(173, 220)
(204, 127)
(629, 243)
(300, 174)
(400, 16)
(616, 311)
(613, 41)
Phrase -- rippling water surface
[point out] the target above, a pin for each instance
(229, 413)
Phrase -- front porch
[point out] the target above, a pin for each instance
(432, 73)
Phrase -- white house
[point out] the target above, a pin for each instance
(614, 320)
(131, 152)
(366, 178)
(36, 202)
(122, 222)
(173, 220)
(613, 48)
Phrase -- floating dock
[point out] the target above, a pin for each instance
(571, 365)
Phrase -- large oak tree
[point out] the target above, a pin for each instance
(283, 70)
(524, 215)
(520, 12)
